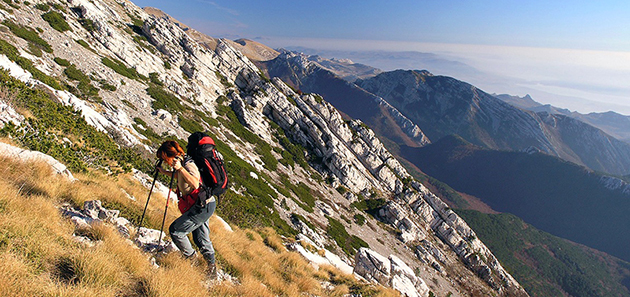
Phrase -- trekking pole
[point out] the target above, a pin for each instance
(158, 163)
(170, 185)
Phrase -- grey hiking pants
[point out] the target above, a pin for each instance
(195, 220)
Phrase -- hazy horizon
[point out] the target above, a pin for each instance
(571, 55)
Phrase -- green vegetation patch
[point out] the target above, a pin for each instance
(546, 265)
(51, 122)
(42, 6)
(350, 244)
(12, 53)
(120, 68)
(56, 20)
(370, 206)
(84, 88)
(163, 99)
(62, 62)
(87, 24)
(28, 35)
(263, 148)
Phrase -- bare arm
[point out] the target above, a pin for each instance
(183, 173)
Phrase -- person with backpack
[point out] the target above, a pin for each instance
(195, 212)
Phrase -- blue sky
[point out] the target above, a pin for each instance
(575, 54)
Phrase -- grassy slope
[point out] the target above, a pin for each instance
(40, 257)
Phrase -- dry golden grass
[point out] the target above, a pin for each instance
(39, 257)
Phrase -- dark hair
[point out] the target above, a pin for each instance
(169, 150)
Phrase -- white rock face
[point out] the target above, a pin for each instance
(23, 155)
(94, 213)
(390, 271)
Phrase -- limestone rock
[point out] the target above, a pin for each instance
(390, 271)
(30, 156)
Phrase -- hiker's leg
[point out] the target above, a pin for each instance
(179, 229)
(201, 235)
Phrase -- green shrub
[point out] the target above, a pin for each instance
(164, 99)
(56, 20)
(370, 206)
(108, 87)
(154, 78)
(75, 74)
(12, 53)
(62, 62)
(10, 2)
(84, 44)
(342, 190)
(294, 152)
(120, 68)
(35, 50)
(190, 125)
(87, 24)
(348, 243)
(42, 6)
(359, 219)
(28, 35)
(224, 80)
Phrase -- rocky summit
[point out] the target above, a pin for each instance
(141, 78)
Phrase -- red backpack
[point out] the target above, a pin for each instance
(201, 148)
(214, 179)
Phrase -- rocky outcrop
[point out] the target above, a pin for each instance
(307, 73)
(390, 271)
(94, 213)
(16, 153)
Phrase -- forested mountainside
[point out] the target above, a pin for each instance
(99, 84)
(556, 196)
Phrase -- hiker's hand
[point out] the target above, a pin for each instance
(177, 164)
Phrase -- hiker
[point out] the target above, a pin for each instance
(195, 215)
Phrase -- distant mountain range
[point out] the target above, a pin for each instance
(613, 123)
(415, 107)
(554, 195)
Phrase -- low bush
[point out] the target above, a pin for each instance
(348, 243)
(12, 53)
(42, 6)
(56, 20)
(163, 99)
(28, 35)
(120, 68)
(62, 62)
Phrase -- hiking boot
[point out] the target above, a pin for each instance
(195, 260)
(212, 271)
